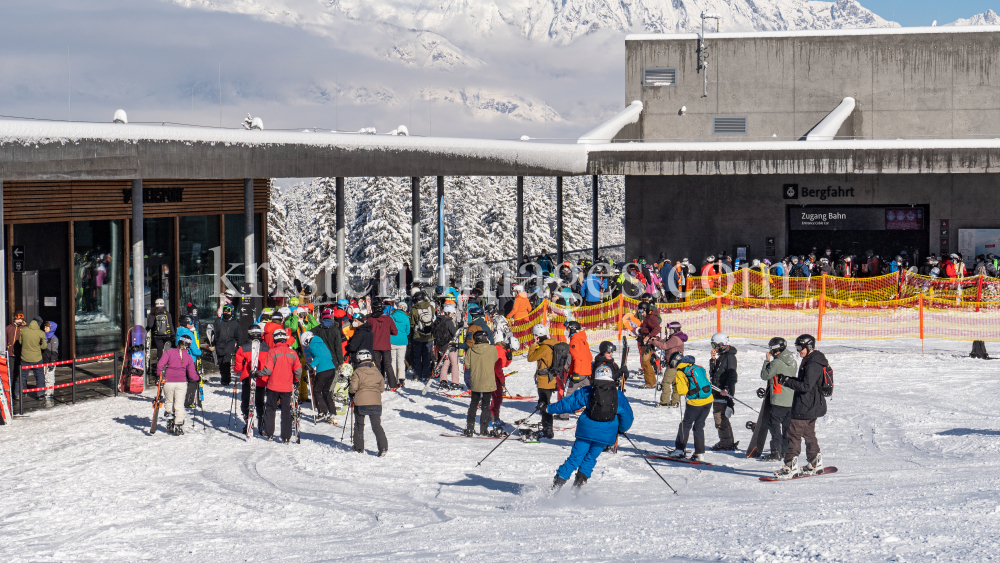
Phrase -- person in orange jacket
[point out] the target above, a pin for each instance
(244, 367)
(283, 370)
(269, 328)
(522, 307)
(504, 357)
(582, 359)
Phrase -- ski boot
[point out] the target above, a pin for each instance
(789, 470)
(815, 466)
(700, 458)
(720, 447)
(558, 482)
(547, 432)
(468, 432)
(580, 480)
(677, 453)
(497, 431)
(177, 429)
(773, 456)
(383, 453)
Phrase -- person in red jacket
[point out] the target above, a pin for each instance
(648, 330)
(504, 357)
(244, 368)
(269, 328)
(282, 369)
(382, 328)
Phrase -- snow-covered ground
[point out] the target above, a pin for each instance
(914, 438)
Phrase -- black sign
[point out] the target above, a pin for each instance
(17, 252)
(157, 195)
(837, 219)
(769, 241)
(18, 266)
(769, 252)
(790, 191)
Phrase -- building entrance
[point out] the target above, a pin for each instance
(855, 229)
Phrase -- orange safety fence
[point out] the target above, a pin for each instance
(879, 308)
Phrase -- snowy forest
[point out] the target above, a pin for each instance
(480, 222)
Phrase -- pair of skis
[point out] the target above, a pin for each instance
(621, 382)
(251, 370)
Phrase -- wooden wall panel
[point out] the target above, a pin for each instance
(49, 201)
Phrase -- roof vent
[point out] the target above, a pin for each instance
(659, 76)
(120, 116)
(729, 125)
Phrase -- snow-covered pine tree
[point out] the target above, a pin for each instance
(539, 212)
(279, 247)
(380, 236)
(319, 253)
(500, 219)
(577, 212)
(611, 230)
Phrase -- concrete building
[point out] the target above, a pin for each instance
(763, 94)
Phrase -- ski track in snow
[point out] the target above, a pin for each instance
(914, 438)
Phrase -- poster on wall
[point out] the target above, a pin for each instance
(973, 242)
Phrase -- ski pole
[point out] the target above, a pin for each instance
(737, 400)
(505, 438)
(346, 418)
(643, 454)
(232, 405)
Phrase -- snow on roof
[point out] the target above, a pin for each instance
(815, 33)
(869, 144)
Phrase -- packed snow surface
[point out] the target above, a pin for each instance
(913, 436)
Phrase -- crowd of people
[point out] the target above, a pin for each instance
(31, 346)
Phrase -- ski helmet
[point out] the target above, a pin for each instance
(674, 326)
(306, 337)
(480, 337)
(720, 340)
(604, 373)
(475, 310)
(160, 303)
(608, 347)
(294, 301)
(572, 327)
(805, 342)
(185, 320)
(675, 359)
(364, 356)
(279, 335)
(254, 331)
(777, 344)
(227, 310)
(276, 317)
(491, 309)
(184, 341)
(539, 331)
(343, 303)
(513, 343)
(285, 312)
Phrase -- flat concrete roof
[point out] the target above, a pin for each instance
(881, 31)
(52, 150)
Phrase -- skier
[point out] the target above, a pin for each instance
(383, 328)
(400, 340)
(691, 381)
(481, 359)
(649, 329)
(444, 331)
(366, 388)
(607, 413)
(808, 404)
(50, 355)
(540, 352)
(582, 360)
(187, 328)
(332, 334)
(160, 326)
(723, 376)
(522, 306)
(177, 367)
(274, 324)
(674, 343)
(606, 357)
(504, 357)
(320, 359)
(422, 328)
(227, 338)
(245, 369)
(778, 362)
(283, 370)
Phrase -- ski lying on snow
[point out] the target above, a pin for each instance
(473, 437)
(678, 459)
(826, 471)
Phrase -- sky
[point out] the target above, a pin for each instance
(169, 61)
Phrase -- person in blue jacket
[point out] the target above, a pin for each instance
(591, 436)
(320, 360)
(400, 340)
(593, 289)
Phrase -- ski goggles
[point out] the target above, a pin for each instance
(799, 347)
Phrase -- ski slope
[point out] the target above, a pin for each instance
(915, 438)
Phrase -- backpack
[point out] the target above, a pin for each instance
(603, 405)
(826, 386)
(162, 325)
(699, 386)
(561, 359)
(425, 320)
(979, 350)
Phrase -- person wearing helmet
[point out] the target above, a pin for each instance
(540, 352)
(400, 340)
(504, 358)
(276, 322)
(723, 374)
(422, 329)
(778, 362)
(480, 360)
(160, 326)
(283, 370)
(330, 331)
(692, 382)
(606, 413)
(808, 404)
(580, 368)
(648, 330)
(383, 329)
(669, 397)
(606, 357)
(247, 369)
(445, 330)
(177, 367)
(187, 329)
(366, 388)
(227, 340)
(708, 269)
(320, 360)
(361, 339)
(522, 305)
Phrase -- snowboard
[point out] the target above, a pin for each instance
(157, 404)
(434, 375)
(677, 459)
(760, 431)
(6, 410)
(134, 367)
(826, 471)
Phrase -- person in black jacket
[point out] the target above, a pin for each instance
(160, 326)
(606, 357)
(227, 340)
(362, 339)
(723, 376)
(807, 405)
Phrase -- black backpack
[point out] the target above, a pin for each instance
(826, 386)
(561, 359)
(162, 325)
(979, 350)
(603, 405)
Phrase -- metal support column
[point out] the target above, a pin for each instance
(249, 256)
(559, 222)
(520, 223)
(3, 278)
(440, 220)
(341, 251)
(595, 188)
(138, 262)
(415, 227)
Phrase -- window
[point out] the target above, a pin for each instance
(659, 76)
(97, 271)
(729, 125)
